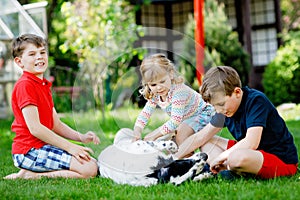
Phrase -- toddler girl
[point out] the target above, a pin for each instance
(164, 87)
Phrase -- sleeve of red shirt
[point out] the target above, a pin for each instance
(26, 95)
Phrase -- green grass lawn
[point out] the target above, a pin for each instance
(101, 188)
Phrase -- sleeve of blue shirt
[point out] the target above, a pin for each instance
(218, 120)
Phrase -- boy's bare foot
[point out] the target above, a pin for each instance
(11, 176)
(24, 174)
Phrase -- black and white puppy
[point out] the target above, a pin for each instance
(179, 171)
(148, 163)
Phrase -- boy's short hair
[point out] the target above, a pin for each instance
(219, 79)
(19, 43)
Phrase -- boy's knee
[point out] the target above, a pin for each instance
(89, 169)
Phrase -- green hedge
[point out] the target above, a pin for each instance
(281, 79)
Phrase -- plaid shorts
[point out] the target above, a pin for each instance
(47, 158)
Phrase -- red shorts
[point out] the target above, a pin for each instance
(272, 166)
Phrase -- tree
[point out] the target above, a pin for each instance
(101, 33)
(290, 15)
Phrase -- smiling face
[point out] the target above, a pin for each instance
(225, 104)
(33, 60)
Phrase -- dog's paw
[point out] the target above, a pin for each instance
(202, 176)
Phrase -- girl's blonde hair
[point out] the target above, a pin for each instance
(153, 68)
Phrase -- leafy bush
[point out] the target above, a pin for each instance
(62, 103)
(281, 79)
(69, 98)
(222, 46)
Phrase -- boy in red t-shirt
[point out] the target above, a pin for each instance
(40, 147)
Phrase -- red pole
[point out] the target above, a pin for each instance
(199, 38)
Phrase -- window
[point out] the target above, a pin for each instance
(15, 20)
(153, 15)
(180, 13)
(165, 24)
(230, 12)
(264, 46)
(264, 34)
(263, 28)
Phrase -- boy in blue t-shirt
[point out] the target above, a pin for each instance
(263, 145)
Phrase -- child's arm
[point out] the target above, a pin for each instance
(143, 118)
(197, 140)
(137, 131)
(153, 135)
(181, 98)
(65, 131)
(40, 131)
(251, 141)
(179, 101)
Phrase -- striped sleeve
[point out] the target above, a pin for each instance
(179, 101)
(145, 114)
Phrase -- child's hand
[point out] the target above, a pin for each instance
(90, 137)
(81, 153)
(136, 136)
(150, 137)
(153, 135)
(217, 165)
